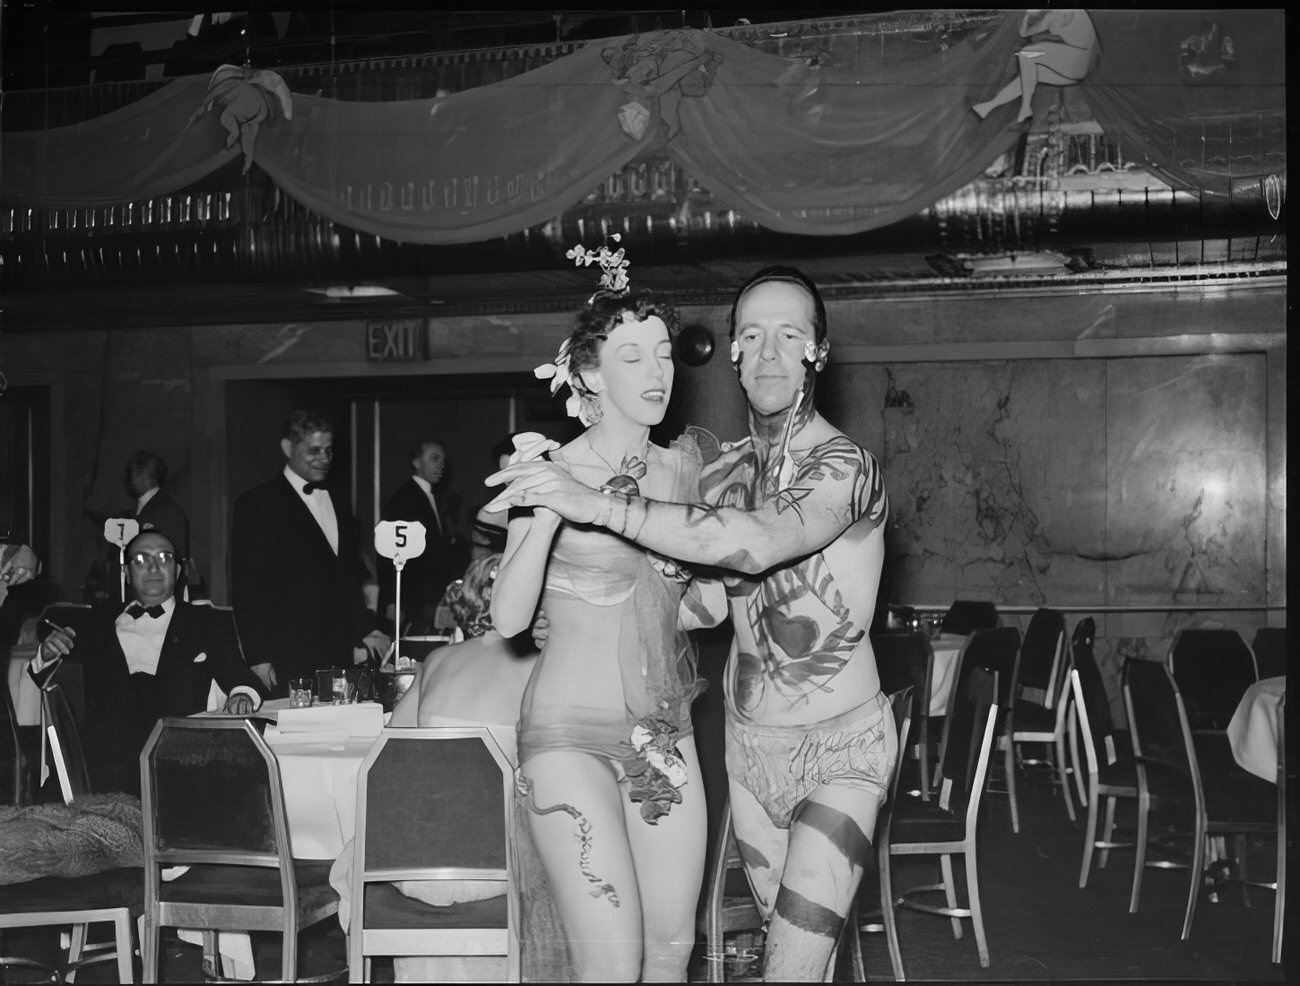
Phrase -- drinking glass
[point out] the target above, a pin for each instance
(300, 693)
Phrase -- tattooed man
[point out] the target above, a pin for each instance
(795, 512)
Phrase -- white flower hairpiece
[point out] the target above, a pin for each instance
(560, 373)
(614, 263)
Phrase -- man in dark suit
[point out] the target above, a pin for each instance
(296, 566)
(156, 657)
(445, 557)
(154, 508)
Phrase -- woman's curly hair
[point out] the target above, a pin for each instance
(600, 316)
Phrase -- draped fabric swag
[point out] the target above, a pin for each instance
(822, 146)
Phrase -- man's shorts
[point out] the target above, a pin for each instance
(783, 765)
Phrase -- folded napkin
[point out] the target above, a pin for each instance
(359, 719)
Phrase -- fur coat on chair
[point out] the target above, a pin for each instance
(96, 832)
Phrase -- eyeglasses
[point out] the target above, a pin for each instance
(142, 559)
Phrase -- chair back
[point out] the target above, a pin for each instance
(900, 703)
(961, 775)
(1162, 739)
(996, 649)
(211, 794)
(1213, 669)
(1041, 675)
(433, 806)
(1092, 700)
(59, 732)
(967, 615)
(434, 799)
(904, 660)
(1269, 646)
(11, 750)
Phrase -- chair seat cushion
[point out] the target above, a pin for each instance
(387, 908)
(1122, 773)
(250, 885)
(1034, 718)
(1239, 796)
(924, 821)
(123, 887)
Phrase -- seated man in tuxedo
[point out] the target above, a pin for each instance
(156, 657)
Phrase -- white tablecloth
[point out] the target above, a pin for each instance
(1252, 732)
(943, 673)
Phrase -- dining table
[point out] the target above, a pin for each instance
(1254, 727)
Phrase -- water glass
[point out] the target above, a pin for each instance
(300, 693)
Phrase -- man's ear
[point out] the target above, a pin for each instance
(286, 447)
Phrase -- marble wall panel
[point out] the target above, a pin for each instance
(997, 481)
(1186, 480)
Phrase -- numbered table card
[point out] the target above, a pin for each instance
(119, 530)
(400, 540)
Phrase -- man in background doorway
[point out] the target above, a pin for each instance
(296, 566)
(424, 578)
(154, 507)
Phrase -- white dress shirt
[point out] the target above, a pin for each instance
(425, 485)
(142, 637)
(145, 497)
(320, 505)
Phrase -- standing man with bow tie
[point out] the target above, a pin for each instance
(297, 568)
(156, 657)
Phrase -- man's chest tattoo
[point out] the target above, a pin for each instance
(800, 634)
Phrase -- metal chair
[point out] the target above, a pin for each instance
(12, 762)
(996, 649)
(902, 705)
(1269, 648)
(968, 615)
(1220, 797)
(1213, 669)
(115, 896)
(946, 826)
(62, 738)
(905, 659)
(213, 803)
(1042, 697)
(1279, 903)
(728, 907)
(434, 805)
(1110, 770)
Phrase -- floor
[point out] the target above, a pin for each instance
(1041, 926)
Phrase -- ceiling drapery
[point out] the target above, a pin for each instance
(818, 146)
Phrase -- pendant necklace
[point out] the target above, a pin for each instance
(624, 479)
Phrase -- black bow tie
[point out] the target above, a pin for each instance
(135, 611)
(309, 488)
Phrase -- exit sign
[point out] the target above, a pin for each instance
(396, 339)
